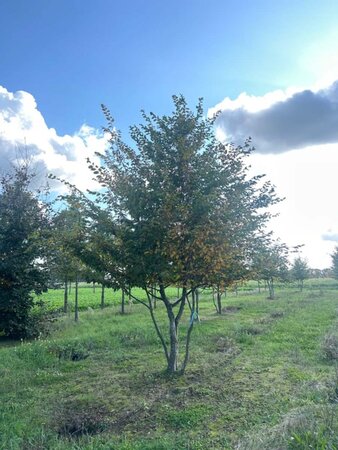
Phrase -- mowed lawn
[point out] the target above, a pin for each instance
(258, 378)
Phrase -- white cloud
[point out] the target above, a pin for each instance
(253, 103)
(295, 132)
(23, 129)
(281, 120)
(308, 181)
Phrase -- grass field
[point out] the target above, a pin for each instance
(89, 297)
(262, 376)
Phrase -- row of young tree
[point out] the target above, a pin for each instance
(177, 209)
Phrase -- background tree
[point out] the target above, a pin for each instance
(334, 258)
(97, 249)
(182, 205)
(67, 242)
(62, 263)
(300, 271)
(91, 240)
(234, 272)
(270, 263)
(23, 226)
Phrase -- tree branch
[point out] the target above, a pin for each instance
(187, 342)
(180, 311)
(181, 298)
(159, 334)
(128, 291)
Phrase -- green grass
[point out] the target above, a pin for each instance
(257, 378)
(89, 297)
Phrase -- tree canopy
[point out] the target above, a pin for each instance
(183, 207)
(270, 263)
(23, 223)
(300, 271)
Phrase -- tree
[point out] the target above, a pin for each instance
(183, 209)
(270, 263)
(70, 242)
(62, 263)
(23, 224)
(300, 271)
(236, 270)
(94, 246)
(334, 258)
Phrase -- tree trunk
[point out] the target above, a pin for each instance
(219, 301)
(76, 299)
(70, 287)
(197, 297)
(174, 321)
(259, 287)
(173, 335)
(214, 298)
(94, 287)
(153, 298)
(271, 289)
(65, 297)
(102, 296)
(194, 297)
(122, 303)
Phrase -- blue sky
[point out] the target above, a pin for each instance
(270, 67)
(73, 55)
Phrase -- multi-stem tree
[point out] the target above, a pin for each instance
(183, 206)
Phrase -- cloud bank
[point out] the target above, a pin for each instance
(281, 120)
(295, 132)
(23, 130)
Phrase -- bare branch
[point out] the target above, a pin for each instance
(128, 291)
(159, 334)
